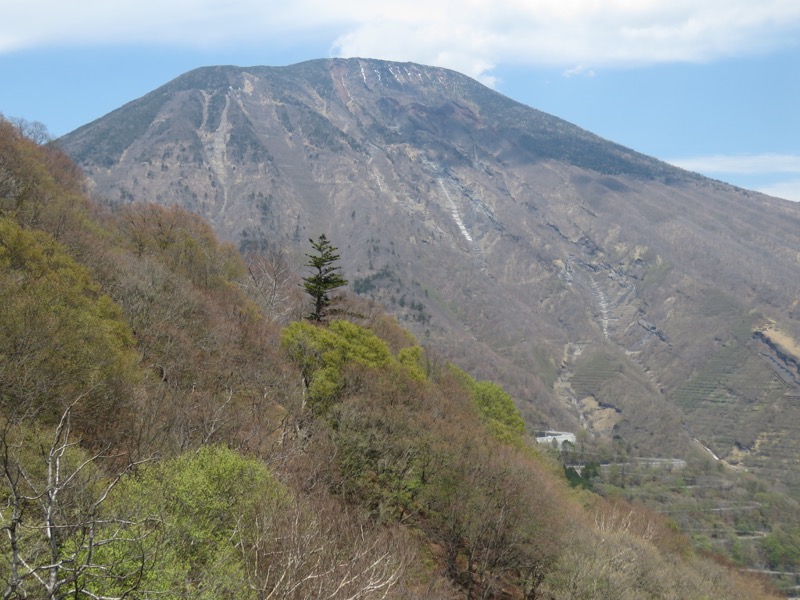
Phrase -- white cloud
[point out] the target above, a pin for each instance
(578, 35)
(789, 190)
(770, 174)
(471, 36)
(579, 70)
(749, 164)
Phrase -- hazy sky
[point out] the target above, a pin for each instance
(712, 85)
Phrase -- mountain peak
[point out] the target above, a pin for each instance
(428, 93)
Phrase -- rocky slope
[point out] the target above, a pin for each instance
(606, 289)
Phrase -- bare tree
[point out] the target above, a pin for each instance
(272, 281)
(497, 523)
(33, 130)
(52, 519)
(320, 551)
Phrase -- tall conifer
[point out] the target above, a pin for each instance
(324, 279)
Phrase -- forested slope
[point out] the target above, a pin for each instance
(169, 428)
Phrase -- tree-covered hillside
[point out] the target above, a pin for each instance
(170, 427)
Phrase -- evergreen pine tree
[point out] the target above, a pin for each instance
(325, 278)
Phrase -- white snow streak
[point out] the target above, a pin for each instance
(454, 212)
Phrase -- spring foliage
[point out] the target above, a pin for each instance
(495, 406)
(330, 357)
(197, 508)
(60, 335)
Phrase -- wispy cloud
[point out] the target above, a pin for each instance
(751, 171)
(579, 70)
(790, 190)
(751, 164)
(472, 36)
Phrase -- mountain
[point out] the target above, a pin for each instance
(162, 436)
(608, 291)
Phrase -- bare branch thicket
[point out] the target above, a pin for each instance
(322, 552)
(36, 131)
(272, 280)
(10, 185)
(498, 523)
(616, 519)
(52, 519)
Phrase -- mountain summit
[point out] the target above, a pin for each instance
(608, 290)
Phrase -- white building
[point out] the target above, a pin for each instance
(547, 437)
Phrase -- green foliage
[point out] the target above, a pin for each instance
(499, 411)
(783, 548)
(359, 344)
(383, 278)
(197, 506)
(327, 356)
(39, 185)
(412, 357)
(495, 407)
(324, 279)
(583, 479)
(60, 336)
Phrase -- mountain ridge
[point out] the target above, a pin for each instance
(216, 76)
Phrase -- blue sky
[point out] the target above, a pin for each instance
(711, 85)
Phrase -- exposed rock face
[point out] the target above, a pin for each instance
(580, 274)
